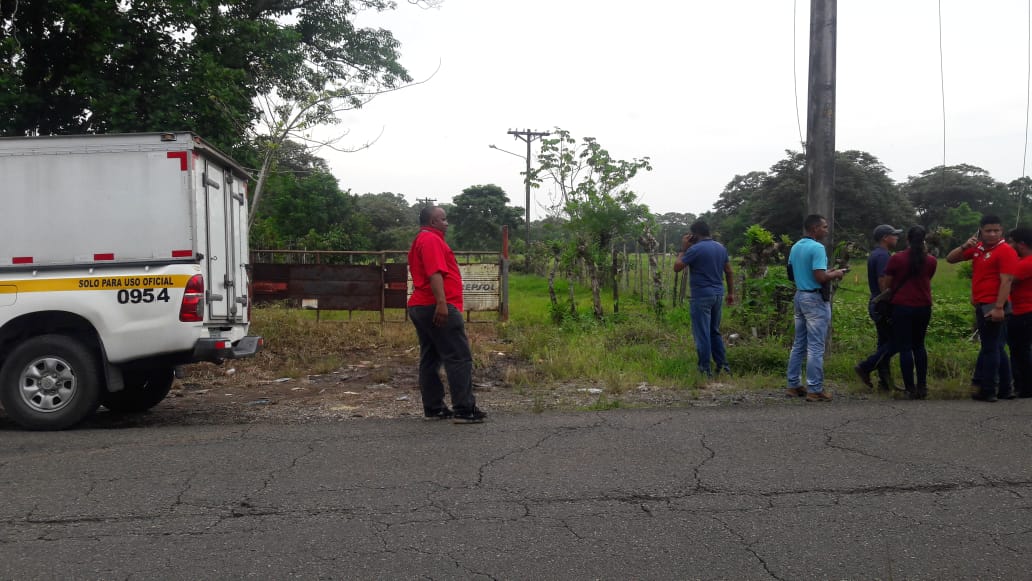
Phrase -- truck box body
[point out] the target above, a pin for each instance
(111, 229)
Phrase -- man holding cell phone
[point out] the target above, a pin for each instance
(992, 271)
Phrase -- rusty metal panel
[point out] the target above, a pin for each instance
(315, 289)
(335, 272)
(348, 303)
(481, 286)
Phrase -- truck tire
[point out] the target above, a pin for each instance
(143, 390)
(50, 382)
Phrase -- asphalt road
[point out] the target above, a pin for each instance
(847, 490)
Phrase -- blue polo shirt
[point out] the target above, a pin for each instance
(806, 256)
(706, 260)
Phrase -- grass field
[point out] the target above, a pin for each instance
(637, 346)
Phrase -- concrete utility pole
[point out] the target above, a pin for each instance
(820, 115)
(528, 136)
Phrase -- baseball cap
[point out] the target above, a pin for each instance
(885, 230)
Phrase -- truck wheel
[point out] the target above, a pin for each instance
(144, 389)
(50, 382)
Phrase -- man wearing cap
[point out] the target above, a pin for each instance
(886, 237)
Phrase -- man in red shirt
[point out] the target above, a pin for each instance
(992, 270)
(435, 309)
(1019, 327)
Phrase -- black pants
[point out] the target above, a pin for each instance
(447, 345)
(881, 358)
(909, 327)
(1019, 339)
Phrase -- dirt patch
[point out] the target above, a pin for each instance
(379, 381)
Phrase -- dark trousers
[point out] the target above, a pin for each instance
(1019, 339)
(447, 345)
(909, 327)
(879, 360)
(993, 366)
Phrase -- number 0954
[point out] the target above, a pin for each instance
(142, 295)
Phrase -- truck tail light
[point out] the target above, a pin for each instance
(192, 308)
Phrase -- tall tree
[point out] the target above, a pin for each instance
(479, 213)
(776, 200)
(598, 206)
(392, 221)
(937, 190)
(246, 74)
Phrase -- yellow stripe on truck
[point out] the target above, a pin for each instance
(95, 283)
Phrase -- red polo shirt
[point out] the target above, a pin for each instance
(986, 267)
(430, 254)
(1021, 291)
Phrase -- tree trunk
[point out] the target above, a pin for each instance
(649, 244)
(551, 282)
(596, 287)
(616, 279)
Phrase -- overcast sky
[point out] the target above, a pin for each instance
(704, 88)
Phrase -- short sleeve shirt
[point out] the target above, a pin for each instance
(987, 264)
(429, 255)
(912, 290)
(1021, 291)
(876, 263)
(706, 259)
(806, 256)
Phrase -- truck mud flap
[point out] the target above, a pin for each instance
(216, 350)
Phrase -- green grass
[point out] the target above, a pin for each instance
(634, 346)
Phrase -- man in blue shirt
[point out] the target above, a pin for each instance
(886, 237)
(808, 261)
(708, 263)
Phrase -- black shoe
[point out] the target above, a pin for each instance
(441, 414)
(864, 375)
(1009, 395)
(1025, 394)
(988, 397)
(471, 417)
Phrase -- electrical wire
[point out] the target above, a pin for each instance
(942, 89)
(1028, 94)
(795, 77)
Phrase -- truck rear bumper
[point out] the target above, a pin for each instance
(217, 350)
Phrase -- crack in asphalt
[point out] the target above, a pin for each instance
(748, 547)
(698, 468)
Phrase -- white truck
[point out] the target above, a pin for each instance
(121, 258)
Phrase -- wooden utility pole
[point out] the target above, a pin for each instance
(820, 115)
(528, 136)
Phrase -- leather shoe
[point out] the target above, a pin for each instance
(820, 396)
(987, 397)
(795, 391)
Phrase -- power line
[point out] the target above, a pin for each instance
(795, 76)
(942, 89)
(1024, 152)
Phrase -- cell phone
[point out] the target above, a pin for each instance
(844, 269)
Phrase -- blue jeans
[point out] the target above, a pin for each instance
(705, 313)
(812, 320)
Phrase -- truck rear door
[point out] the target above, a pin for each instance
(222, 228)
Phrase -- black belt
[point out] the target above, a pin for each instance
(803, 290)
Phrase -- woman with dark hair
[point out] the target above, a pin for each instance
(909, 274)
